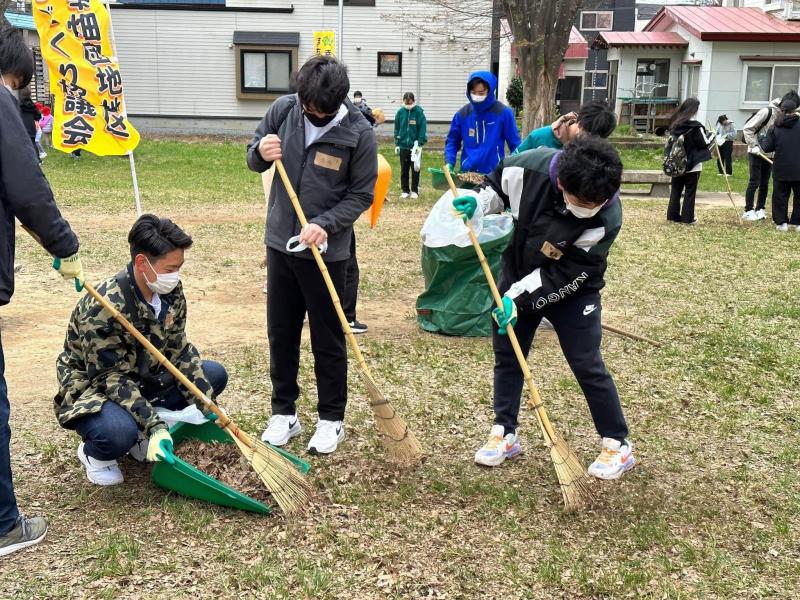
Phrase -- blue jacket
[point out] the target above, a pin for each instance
(484, 129)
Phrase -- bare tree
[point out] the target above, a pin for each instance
(539, 29)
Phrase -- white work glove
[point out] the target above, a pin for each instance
(755, 150)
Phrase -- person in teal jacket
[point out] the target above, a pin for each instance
(595, 118)
(410, 128)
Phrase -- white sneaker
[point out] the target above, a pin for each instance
(414, 195)
(404, 195)
(327, 437)
(615, 459)
(761, 214)
(749, 215)
(100, 472)
(138, 451)
(42, 155)
(280, 429)
(797, 228)
(498, 448)
(782, 227)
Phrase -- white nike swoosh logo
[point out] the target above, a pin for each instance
(589, 309)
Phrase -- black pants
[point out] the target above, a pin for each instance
(352, 278)
(294, 286)
(405, 166)
(577, 322)
(726, 151)
(686, 184)
(760, 170)
(780, 202)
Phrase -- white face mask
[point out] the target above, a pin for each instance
(582, 212)
(410, 106)
(356, 100)
(478, 98)
(164, 283)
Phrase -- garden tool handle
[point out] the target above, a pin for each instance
(544, 421)
(222, 419)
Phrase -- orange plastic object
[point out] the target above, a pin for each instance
(381, 189)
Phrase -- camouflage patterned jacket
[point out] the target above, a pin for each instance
(98, 363)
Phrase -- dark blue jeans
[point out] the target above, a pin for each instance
(8, 503)
(110, 433)
(577, 322)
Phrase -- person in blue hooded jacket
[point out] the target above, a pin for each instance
(481, 128)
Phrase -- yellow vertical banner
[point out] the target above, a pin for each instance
(85, 79)
(325, 43)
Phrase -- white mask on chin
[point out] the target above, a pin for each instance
(582, 212)
(164, 283)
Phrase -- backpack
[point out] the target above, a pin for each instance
(675, 159)
(759, 136)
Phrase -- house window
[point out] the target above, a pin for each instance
(597, 20)
(763, 82)
(265, 71)
(596, 80)
(692, 81)
(652, 77)
(390, 64)
(350, 2)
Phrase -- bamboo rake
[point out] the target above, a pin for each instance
(400, 443)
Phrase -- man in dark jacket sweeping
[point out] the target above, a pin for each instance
(330, 155)
(567, 215)
(26, 195)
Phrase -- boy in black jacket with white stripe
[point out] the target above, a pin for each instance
(567, 214)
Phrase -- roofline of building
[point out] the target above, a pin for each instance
(202, 7)
(756, 36)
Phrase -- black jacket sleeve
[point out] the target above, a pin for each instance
(25, 190)
(270, 124)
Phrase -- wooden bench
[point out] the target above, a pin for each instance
(659, 183)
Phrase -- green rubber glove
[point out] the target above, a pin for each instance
(505, 316)
(465, 206)
(70, 268)
(159, 447)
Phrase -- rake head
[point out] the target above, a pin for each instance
(281, 478)
(400, 443)
(572, 477)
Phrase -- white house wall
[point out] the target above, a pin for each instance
(183, 62)
(626, 76)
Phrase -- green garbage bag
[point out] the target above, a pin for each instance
(457, 300)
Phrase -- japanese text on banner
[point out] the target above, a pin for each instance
(84, 77)
(325, 43)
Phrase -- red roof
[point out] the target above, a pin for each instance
(577, 48)
(607, 39)
(726, 24)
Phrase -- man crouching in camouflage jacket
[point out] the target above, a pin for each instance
(109, 386)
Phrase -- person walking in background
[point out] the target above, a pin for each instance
(755, 129)
(683, 123)
(410, 131)
(482, 128)
(726, 133)
(784, 141)
(595, 118)
(361, 104)
(47, 127)
(30, 118)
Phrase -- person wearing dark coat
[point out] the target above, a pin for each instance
(695, 143)
(784, 141)
(30, 117)
(24, 195)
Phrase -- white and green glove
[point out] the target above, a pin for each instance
(71, 268)
(159, 447)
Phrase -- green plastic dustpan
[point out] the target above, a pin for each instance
(190, 481)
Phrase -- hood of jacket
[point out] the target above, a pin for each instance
(686, 127)
(491, 80)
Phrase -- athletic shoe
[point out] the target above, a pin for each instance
(138, 451)
(280, 429)
(782, 227)
(749, 215)
(761, 214)
(615, 459)
(327, 437)
(404, 195)
(100, 472)
(797, 228)
(25, 533)
(414, 195)
(358, 327)
(498, 448)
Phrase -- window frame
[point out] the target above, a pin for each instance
(591, 75)
(358, 3)
(265, 93)
(692, 81)
(399, 64)
(755, 104)
(595, 13)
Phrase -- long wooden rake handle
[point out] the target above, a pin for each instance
(632, 336)
(362, 365)
(766, 158)
(535, 399)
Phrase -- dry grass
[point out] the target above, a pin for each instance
(711, 512)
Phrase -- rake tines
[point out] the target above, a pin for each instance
(572, 477)
(399, 441)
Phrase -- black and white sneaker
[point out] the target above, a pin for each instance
(26, 533)
(280, 429)
(327, 437)
(358, 327)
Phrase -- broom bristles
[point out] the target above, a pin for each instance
(572, 477)
(281, 478)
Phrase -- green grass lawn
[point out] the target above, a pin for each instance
(712, 510)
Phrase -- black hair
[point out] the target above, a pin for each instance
(597, 118)
(322, 84)
(16, 58)
(409, 96)
(476, 80)
(684, 112)
(788, 107)
(358, 93)
(154, 237)
(590, 168)
(721, 119)
(791, 96)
